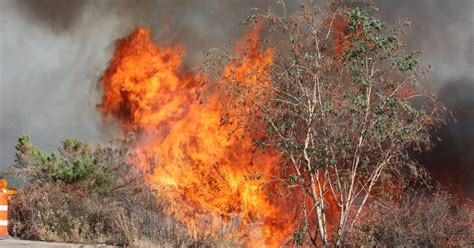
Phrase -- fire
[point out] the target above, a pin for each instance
(207, 170)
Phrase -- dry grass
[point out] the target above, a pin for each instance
(437, 220)
(90, 194)
(59, 213)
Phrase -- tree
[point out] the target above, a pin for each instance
(344, 107)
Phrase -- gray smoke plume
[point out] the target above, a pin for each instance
(58, 15)
(53, 52)
(444, 32)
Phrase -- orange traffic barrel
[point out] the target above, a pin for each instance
(3, 215)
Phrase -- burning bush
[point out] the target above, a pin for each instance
(342, 103)
(205, 170)
(87, 193)
(283, 140)
(310, 121)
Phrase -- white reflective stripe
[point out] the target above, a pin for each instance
(3, 207)
(3, 222)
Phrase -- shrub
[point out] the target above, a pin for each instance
(88, 194)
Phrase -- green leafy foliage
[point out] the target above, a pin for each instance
(75, 163)
(406, 63)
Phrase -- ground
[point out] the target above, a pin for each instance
(16, 243)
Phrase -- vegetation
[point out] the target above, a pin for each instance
(345, 106)
(436, 220)
(89, 194)
(70, 197)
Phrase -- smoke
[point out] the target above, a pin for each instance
(443, 31)
(53, 52)
(199, 24)
(58, 15)
(452, 159)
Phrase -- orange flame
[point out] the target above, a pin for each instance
(200, 166)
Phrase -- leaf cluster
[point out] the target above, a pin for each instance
(92, 168)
